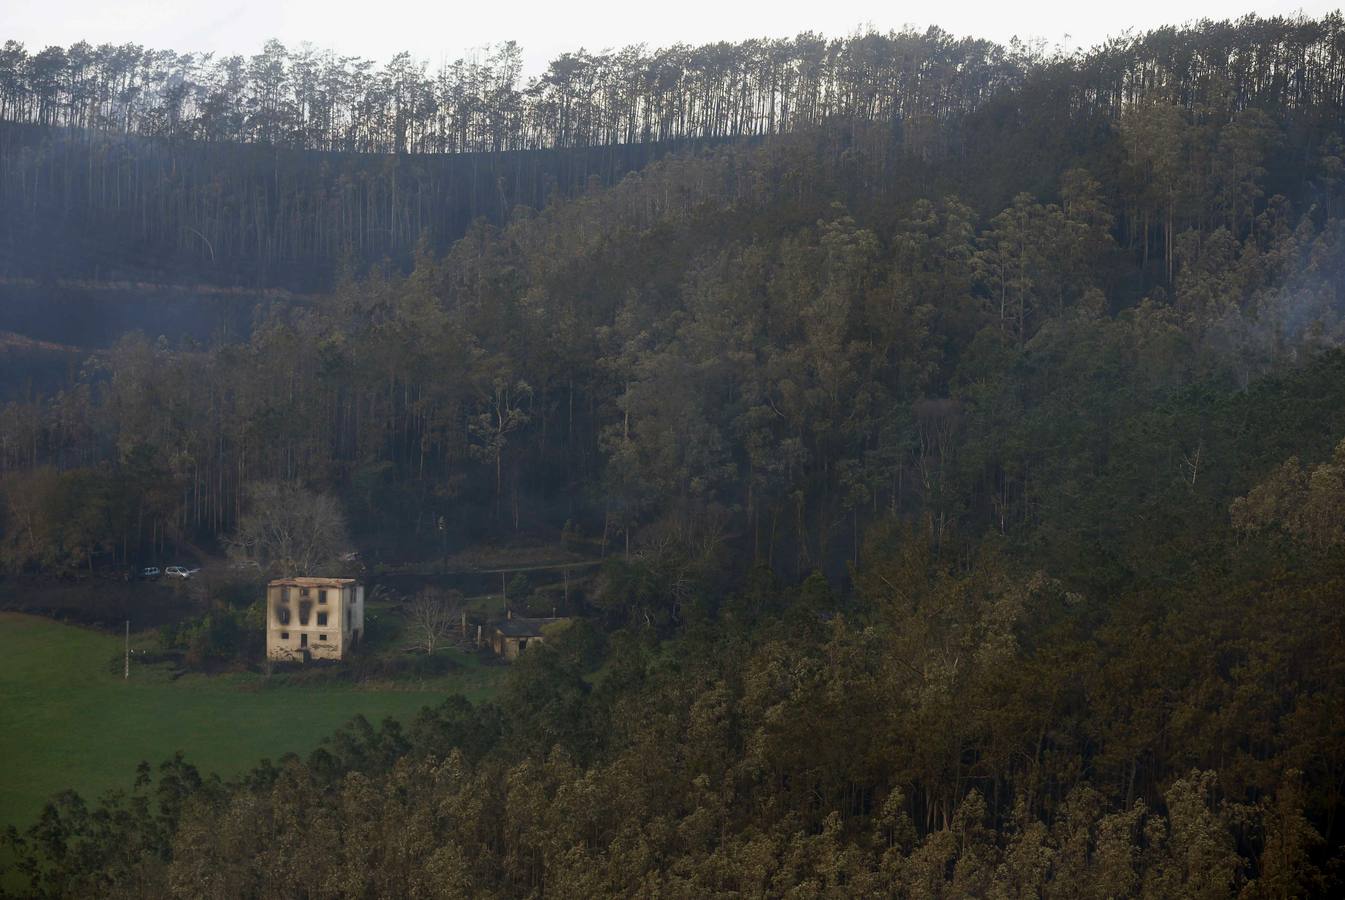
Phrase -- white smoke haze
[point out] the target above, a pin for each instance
(1298, 310)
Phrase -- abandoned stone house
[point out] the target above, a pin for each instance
(515, 634)
(313, 618)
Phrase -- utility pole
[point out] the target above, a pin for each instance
(443, 545)
(126, 675)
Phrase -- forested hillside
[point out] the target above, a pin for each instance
(968, 456)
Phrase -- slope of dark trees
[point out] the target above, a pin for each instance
(972, 511)
(125, 162)
(111, 207)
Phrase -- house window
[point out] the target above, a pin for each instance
(322, 596)
(304, 592)
(303, 640)
(322, 618)
(284, 635)
(283, 615)
(322, 637)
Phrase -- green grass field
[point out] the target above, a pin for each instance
(68, 719)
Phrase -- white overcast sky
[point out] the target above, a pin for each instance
(435, 31)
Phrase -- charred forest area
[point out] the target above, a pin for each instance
(959, 431)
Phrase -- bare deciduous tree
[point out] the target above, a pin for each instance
(433, 614)
(290, 531)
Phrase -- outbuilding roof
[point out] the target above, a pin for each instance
(518, 626)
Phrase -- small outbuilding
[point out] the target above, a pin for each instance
(515, 634)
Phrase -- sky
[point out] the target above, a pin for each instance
(442, 31)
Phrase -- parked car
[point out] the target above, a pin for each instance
(180, 572)
(150, 572)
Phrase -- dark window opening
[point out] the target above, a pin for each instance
(305, 607)
(304, 592)
(284, 635)
(283, 615)
(322, 596)
(303, 640)
(322, 618)
(322, 637)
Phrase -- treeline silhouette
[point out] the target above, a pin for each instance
(316, 99)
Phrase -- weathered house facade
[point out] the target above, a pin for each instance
(313, 618)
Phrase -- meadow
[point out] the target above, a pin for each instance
(68, 718)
